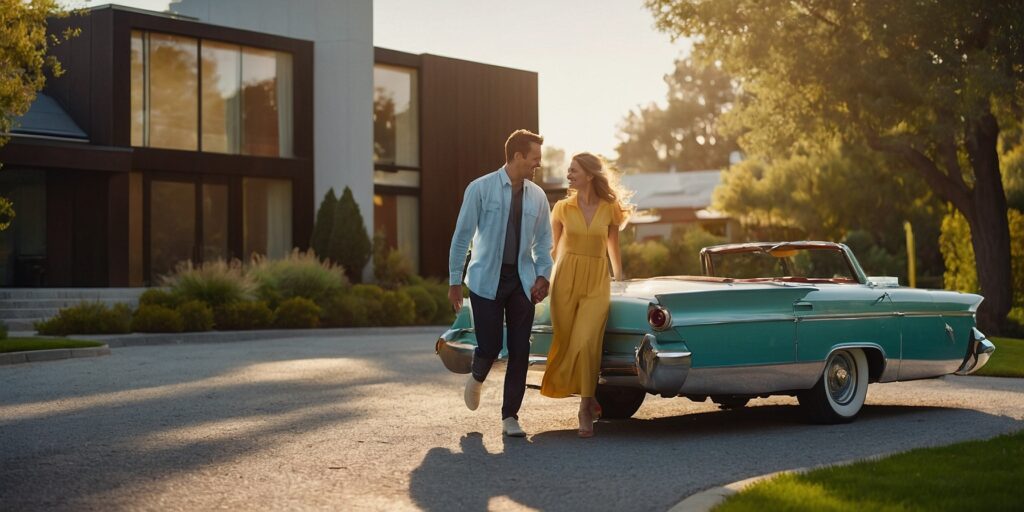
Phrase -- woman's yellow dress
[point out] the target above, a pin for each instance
(580, 296)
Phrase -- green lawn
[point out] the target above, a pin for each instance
(23, 344)
(1007, 360)
(976, 475)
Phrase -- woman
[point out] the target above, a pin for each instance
(584, 228)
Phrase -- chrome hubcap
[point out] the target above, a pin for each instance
(841, 378)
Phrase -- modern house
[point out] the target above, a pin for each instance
(667, 200)
(214, 131)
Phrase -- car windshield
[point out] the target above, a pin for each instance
(784, 263)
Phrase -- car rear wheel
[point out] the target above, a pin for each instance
(619, 402)
(839, 394)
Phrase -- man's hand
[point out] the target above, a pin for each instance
(455, 296)
(539, 290)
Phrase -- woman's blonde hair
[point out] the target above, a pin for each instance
(606, 183)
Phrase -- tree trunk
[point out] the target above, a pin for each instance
(990, 228)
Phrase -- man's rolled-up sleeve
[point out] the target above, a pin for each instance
(465, 228)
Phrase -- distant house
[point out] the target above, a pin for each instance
(669, 199)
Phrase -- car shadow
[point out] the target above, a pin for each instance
(654, 463)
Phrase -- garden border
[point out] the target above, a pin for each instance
(55, 354)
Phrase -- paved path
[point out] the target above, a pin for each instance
(373, 422)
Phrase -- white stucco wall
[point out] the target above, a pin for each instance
(342, 32)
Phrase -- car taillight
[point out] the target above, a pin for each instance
(659, 318)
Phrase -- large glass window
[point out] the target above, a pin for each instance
(395, 116)
(172, 225)
(215, 221)
(267, 217)
(246, 96)
(173, 101)
(397, 218)
(222, 68)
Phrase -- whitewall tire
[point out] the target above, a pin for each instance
(839, 394)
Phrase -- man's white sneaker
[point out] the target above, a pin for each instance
(472, 393)
(510, 427)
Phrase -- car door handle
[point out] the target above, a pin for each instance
(803, 306)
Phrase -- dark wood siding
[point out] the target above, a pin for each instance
(467, 111)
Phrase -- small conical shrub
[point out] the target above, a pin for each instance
(349, 244)
(321, 237)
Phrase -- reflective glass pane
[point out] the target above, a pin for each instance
(221, 71)
(173, 94)
(395, 116)
(138, 88)
(215, 222)
(172, 225)
(266, 103)
(267, 217)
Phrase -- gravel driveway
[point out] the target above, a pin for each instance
(374, 422)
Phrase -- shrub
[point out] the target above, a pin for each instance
(196, 316)
(156, 318)
(297, 313)
(958, 254)
(345, 310)
(443, 315)
(321, 237)
(349, 244)
(372, 297)
(243, 316)
(159, 297)
(391, 269)
(425, 306)
(301, 274)
(88, 318)
(398, 309)
(644, 259)
(216, 283)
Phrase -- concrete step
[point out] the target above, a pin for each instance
(58, 303)
(69, 293)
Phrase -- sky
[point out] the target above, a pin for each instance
(596, 59)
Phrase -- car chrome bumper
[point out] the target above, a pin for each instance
(660, 371)
(978, 352)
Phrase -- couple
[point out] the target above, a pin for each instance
(514, 239)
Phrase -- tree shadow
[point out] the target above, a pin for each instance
(648, 464)
(91, 432)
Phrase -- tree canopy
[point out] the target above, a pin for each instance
(685, 134)
(929, 83)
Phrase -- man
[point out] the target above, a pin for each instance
(507, 218)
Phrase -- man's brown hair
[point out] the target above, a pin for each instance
(519, 142)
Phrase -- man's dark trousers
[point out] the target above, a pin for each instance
(512, 304)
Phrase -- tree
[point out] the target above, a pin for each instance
(349, 244)
(821, 195)
(553, 166)
(685, 134)
(23, 65)
(321, 237)
(929, 84)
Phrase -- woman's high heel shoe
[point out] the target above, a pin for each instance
(584, 420)
(595, 411)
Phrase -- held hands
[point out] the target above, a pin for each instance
(539, 290)
(455, 297)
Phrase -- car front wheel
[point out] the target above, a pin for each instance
(839, 394)
(619, 402)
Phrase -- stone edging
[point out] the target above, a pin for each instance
(34, 356)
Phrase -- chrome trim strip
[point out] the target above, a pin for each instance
(753, 379)
(845, 316)
(911, 369)
(743, 320)
(542, 329)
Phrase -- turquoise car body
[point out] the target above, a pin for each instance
(757, 337)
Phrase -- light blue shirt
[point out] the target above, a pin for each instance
(483, 220)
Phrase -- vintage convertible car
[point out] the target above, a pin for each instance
(790, 318)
